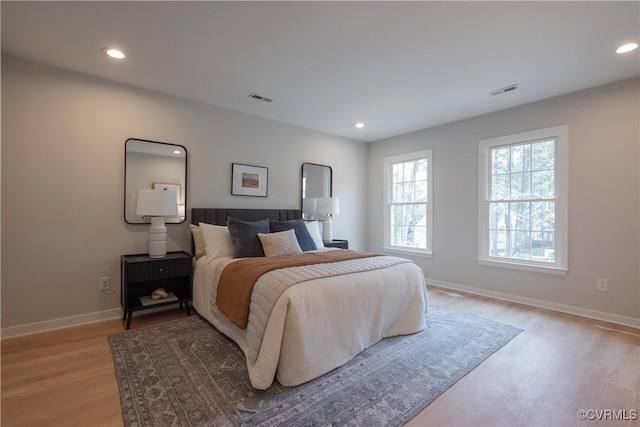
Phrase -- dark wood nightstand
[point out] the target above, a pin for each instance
(342, 244)
(141, 275)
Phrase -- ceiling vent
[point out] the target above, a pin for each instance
(260, 97)
(504, 90)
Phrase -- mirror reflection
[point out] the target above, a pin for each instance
(154, 165)
(316, 182)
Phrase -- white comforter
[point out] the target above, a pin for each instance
(319, 324)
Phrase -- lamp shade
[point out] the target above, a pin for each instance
(156, 203)
(327, 206)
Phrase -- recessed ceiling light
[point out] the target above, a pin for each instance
(114, 53)
(627, 48)
(359, 125)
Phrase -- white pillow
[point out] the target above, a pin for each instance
(314, 230)
(217, 241)
(198, 240)
(280, 243)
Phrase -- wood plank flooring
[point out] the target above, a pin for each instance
(559, 365)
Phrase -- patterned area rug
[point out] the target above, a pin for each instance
(186, 373)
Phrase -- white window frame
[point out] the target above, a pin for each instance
(561, 226)
(388, 163)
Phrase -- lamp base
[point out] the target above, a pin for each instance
(157, 238)
(327, 229)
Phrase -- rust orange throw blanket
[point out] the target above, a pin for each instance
(237, 279)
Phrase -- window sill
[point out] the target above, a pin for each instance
(559, 271)
(407, 252)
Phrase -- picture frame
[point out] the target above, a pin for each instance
(247, 180)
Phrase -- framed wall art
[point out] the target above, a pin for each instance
(249, 180)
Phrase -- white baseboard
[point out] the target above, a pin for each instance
(592, 314)
(65, 322)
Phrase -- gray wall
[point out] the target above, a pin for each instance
(63, 138)
(603, 199)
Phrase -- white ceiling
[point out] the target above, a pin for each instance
(396, 66)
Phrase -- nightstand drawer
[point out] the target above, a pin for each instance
(157, 270)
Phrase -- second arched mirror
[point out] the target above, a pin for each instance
(316, 182)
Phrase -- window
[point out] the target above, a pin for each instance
(523, 200)
(408, 203)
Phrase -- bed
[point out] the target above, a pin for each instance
(319, 322)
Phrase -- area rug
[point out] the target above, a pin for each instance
(186, 373)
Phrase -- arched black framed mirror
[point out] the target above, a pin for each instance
(317, 181)
(154, 165)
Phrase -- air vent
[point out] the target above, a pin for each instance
(504, 90)
(260, 97)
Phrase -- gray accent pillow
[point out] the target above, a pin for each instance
(302, 233)
(280, 243)
(244, 236)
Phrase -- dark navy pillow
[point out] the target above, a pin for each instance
(302, 232)
(244, 236)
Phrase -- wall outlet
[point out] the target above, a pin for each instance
(602, 285)
(103, 284)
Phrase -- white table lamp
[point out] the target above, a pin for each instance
(157, 204)
(327, 206)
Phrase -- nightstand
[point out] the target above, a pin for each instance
(342, 244)
(141, 275)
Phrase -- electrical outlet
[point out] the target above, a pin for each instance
(103, 284)
(602, 285)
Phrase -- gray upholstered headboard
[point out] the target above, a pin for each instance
(218, 216)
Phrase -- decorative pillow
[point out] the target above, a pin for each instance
(244, 236)
(314, 232)
(217, 241)
(280, 243)
(302, 234)
(198, 240)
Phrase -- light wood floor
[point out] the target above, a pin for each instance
(559, 365)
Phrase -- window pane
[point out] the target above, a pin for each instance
(421, 170)
(517, 159)
(543, 184)
(519, 216)
(520, 186)
(500, 159)
(421, 192)
(497, 243)
(396, 174)
(500, 187)
(520, 244)
(408, 192)
(543, 155)
(396, 193)
(420, 236)
(542, 216)
(408, 171)
(396, 233)
(498, 214)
